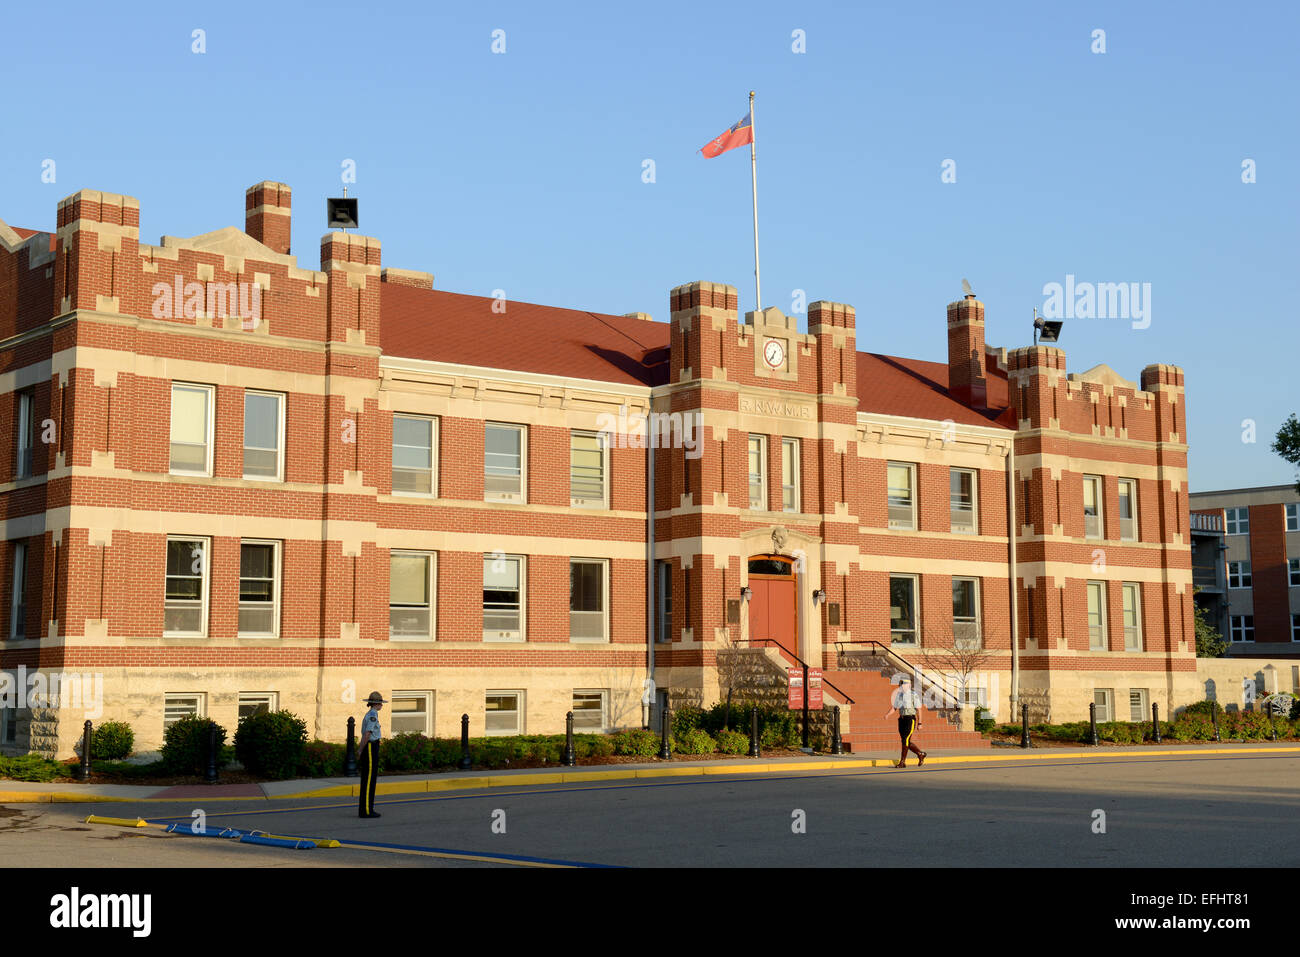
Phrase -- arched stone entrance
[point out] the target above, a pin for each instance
(773, 602)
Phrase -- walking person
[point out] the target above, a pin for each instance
(371, 734)
(907, 704)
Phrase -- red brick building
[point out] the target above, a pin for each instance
(239, 482)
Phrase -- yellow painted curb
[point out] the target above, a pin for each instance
(512, 781)
(119, 821)
(460, 784)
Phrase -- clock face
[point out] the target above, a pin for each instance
(774, 353)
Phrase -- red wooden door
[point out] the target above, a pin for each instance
(772, 612)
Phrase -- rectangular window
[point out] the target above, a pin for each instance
(1295, 628)
(1293, 517)
(18, 596)
(177, 706)
(415, 450)
(410, 594)
(1242, 627)
(257, 702)
(503, 463)
(411, 712)
(961, 498)
(263, 436)
(587, 469)
(1293, 570)
(258, 588)
(1102, 698)
(1132, 594)
(191, 429)
(1128, 504)
(665, 632)
(587, 604)
(1092, 520)
(790, 475)
(1236, 521)
(589, 712)
(758, 473)
(503, 597)
(185, 601)
(966, 612)
(901, 479)
(9, 724)
(1097, 616)
(902, 609)
(1239, 575)
(504, 712)
(26, 433)
(1137, 704)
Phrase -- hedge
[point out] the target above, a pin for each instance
(185, 745)
(271, 744)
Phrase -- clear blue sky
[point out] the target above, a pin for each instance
(523, 171)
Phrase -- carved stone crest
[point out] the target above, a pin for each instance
(779, 536)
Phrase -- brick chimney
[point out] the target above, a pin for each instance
(966, 378)
(266, 215)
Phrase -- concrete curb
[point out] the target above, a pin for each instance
(33, 793)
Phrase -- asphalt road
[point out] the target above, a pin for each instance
(1158, 812)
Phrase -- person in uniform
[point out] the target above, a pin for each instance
(371, 734)
(907, 703)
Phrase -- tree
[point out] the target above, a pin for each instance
(955, 658)
(1287, 444)
(1209, 643)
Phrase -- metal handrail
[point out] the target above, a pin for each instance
(920, 672)
(804, 664)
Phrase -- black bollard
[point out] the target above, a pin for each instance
(1214, 720)
(754, 751)
(465, 762)
(1092, 720)
(1024, 725)
(837, 745)
(570, 756)
(211, 777)
(665, 752)
(1155, 722)
(83, 772)
(350, 755)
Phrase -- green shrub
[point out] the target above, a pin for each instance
(111, 741)
(1202, 708)
(322, 759)
(695, 741)
(781, 729)
(1192, 727)
(1247, 725)
(732, 742)
(32, 767)
(637, 742)
(592, 745)
(406, 752)
(688, 718)
(984, 721)
(271, 744)
(445, 752)
(185, 745)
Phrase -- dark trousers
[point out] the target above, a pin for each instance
(906, 726)
(369, 769)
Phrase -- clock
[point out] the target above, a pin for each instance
(774, 353)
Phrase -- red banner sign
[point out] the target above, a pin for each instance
(795, 678)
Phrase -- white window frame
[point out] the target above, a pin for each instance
(1129, 530)
(270, 698)
(280, 402)
(604, 710)
(757, 499)
(1094, 526)
(432, 469)
(200, 710)
(276, 563)
(1241, 628)
(1293, 572)
(588, 501)
(1099, 634)
(961, 634)
(1106, 706)
(603, 563)
(1239, 575)
(210, 404)
(206, 584)
(891, 504)
(18, 592)
(1143, 704)
(519, 634)
(26, 434)
(1236, 521)
(791, 494)
(955, 509)
(1133, 632)
(915, 632)
(431, 589)
(425, 698)
(1291, 512)
(519, 711)
(522, 497)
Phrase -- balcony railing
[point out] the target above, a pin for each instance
(1206, 576)
(1207, 523)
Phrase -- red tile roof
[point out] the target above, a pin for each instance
(917, 389)
(25, 233)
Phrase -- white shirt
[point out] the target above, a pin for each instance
(371, 723)
(906, 702)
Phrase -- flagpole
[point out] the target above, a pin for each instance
(753, 171)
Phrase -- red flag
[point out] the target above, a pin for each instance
(738, 135)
